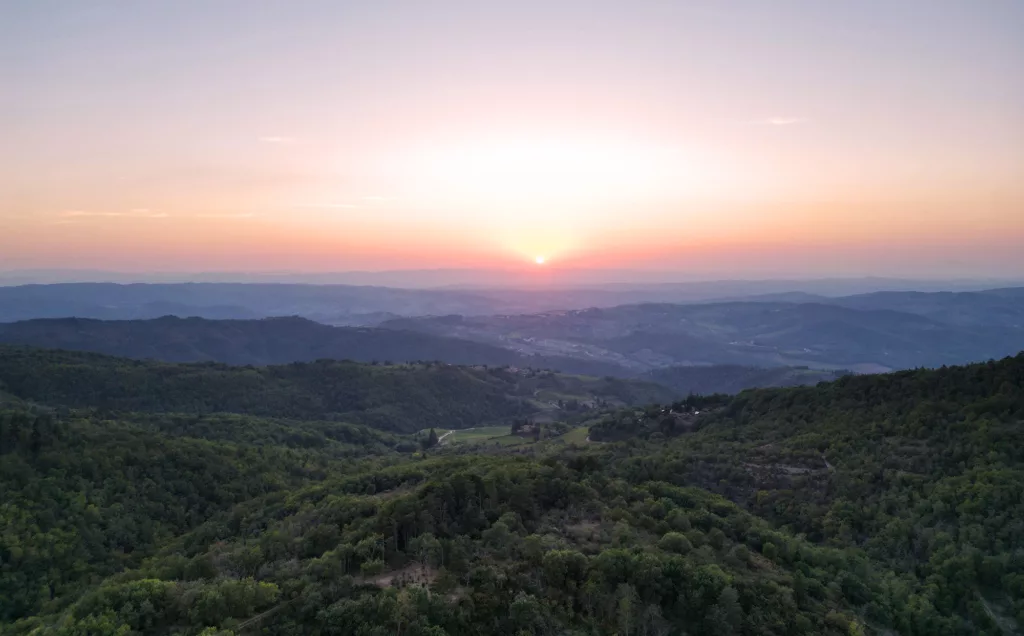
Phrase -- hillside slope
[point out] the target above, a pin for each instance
(923, 470)
(708, 380)
(886, 504)
(269, 341)
(642, 337)
(338, 304)
(404, 398)
(993, 307)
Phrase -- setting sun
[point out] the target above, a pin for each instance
(663, 139)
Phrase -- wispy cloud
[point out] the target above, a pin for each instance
(777, 121)
(72, 216)
(139, 213)
(276, 139)
(225, 215)
(363, 202)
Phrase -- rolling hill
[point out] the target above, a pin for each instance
(269, 341)
(335, 304)
(365, 302)
(708, 380)
(875, 505)
(402, 398)
(818, 335)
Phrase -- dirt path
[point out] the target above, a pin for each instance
(829, 466)
(255, 620)
(1008, 625)
(789, 470)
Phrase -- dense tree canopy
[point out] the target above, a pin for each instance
(882, 504)
(404, 398)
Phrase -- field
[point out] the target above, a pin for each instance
(577, 435)
(477, 435)
(502, 435)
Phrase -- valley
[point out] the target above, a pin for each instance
(759, 333)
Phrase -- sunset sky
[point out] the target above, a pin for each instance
(718, 138)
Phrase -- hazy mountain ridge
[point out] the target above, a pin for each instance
(286, 340)
(353, 304)
(998, 307)
(270, 341)
(706, 380)
(864, 333)
(325, 303)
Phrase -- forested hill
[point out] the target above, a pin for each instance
(922, 470)
(404, 398)
(731, 378)
(817, 335)
(270, 341)
(286, 340)
(872, 505)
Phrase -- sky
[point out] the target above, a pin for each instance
(727, 138)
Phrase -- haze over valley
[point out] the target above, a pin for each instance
(805, 337)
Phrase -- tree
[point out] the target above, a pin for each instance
(427, 549)
(431, 440)
(675, 542)
(626, 608)
(726, 616)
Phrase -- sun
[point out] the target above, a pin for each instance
(539, 260)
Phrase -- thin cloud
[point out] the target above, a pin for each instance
(138, 213)
(777, 121)
(276, 139)
(226, 215)
(367, 200)
(75, 216)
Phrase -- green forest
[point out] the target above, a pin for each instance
(395, 397)
(165, 499)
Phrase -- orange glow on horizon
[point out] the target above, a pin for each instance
(659, 135)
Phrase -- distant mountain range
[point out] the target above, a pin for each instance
(355, 305)
(331, 304)
(285, 340)
(732, 378)
(864, 333)
(552, 277)
(777, 339)
(271, 341)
